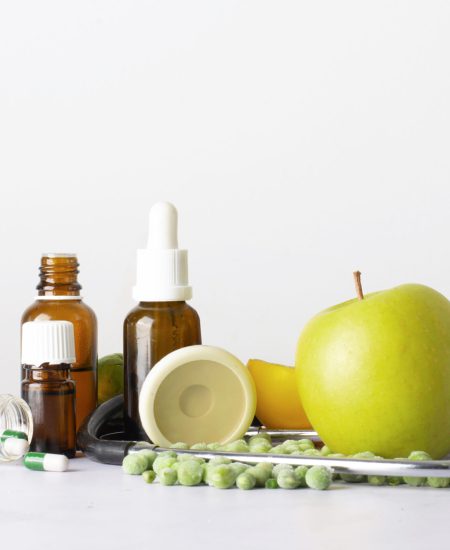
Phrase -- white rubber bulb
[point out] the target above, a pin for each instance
(163, 227)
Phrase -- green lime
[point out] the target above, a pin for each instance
(110, 376)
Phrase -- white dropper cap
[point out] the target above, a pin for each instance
(162, 268)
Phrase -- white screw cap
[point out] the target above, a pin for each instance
(48, 342)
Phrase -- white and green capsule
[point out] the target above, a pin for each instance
(13, 444)
(46, 462)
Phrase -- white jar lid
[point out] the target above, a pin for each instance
(197, 394)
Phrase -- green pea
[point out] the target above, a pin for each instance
(258, 436)
(318, 477)
(286, 479)
(179, 445)
(190, 473)
(393, 481)
(300, 474)
(438, 482)
(353, 478)
(172, 454)
(238, 468)
(167, 476)
(376, 480)
(311, 452)
(149, 455)
(187, 457)
(306, 443)
(134, 464)
(245, 481)
(219, 460)
(417, 481)
(199, 447)
(221, 476)
(278, 467)
(419, 455)
(278, 450)
(213, 446)
(260, 447)
(271, 483)
(292, 446)
(365, 455)
(149, 476)
(163, 462)
(325, 450)
(260, 474)
(357, 478)
(239, 446)
(266, 466)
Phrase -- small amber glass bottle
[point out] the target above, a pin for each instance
(59, 299)
(162, 322)
(47, 353)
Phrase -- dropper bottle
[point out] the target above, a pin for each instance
(162, 321)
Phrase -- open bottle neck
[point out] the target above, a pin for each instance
(58, 276)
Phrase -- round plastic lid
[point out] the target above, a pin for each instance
(197, 394)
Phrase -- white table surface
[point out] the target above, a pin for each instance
(98, 507)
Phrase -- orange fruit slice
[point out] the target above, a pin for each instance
(278, 404)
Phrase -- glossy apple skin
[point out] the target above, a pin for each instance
(374, 375)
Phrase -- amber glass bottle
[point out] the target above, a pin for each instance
(50, 393)
(59, 299)
(48, 350)
(151, 331)
(162, 322)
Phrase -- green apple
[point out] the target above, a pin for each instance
(374, 373)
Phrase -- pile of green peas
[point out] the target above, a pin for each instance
(170, 468)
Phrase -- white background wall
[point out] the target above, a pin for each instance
(299, 140)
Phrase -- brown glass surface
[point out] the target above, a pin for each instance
(58, 277)
(151, 331)
(50, 393)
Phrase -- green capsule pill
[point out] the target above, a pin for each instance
(46, 462)
(13, 433)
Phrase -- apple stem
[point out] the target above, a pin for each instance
(358, 286)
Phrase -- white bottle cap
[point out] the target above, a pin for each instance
(162, 268)
(47, 342)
